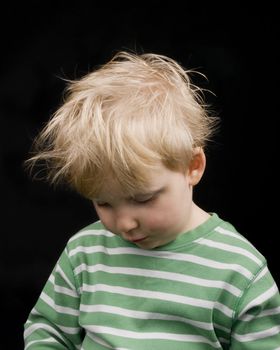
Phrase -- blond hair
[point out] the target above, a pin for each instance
(121, 120)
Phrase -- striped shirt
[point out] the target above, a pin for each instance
(208, 289)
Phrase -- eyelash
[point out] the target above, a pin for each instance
(107, 205)
(143, 201)
(103, 205)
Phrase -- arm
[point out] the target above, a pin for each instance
(257, 321)
(53, 322)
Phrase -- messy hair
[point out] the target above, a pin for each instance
(122, 120)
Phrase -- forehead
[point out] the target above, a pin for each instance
(156, 178)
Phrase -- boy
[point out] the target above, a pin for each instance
(157, 271)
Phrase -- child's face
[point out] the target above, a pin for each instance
(149, 219)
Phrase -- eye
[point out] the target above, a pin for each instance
(103, 204)
(143, 200)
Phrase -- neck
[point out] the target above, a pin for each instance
(198, 216)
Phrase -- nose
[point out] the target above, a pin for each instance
(125, 222)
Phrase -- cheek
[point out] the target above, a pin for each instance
(105, 217)
(160, 218)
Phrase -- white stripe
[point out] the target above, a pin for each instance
(52, 279)
(46, 340)
(63, 290)
(261, 274)
(36, 326)
(102, 342)
(159, 274)
(225, 329)
(98, 340)
(63, 275)
(260, 299)
(151, 335)
(257, 335)
(69, 330)
(91, 233)
(34, 312)
(141, 293)
(229, 248)
(66, 291)
(58, 308)
(229, 233)
(268, 312)
(163, 255)
(143, 315)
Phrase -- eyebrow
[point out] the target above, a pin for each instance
(139, 195)
(150, 193)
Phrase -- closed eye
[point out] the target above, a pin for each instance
(148, 197)
(143, 200)
(101, 204)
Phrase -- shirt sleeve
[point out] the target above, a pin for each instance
(257, 320)
(53, 322)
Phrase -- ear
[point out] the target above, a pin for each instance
(197, 166)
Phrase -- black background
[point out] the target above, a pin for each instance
(42, 42)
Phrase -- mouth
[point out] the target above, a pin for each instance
(138, 240)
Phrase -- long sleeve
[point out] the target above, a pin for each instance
(53, 322)
(257, 323)
(214, 293)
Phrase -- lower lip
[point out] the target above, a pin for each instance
(139, 240)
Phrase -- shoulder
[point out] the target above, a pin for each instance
(228, 234)
(89, 244)
(229, 246)
(92, 234)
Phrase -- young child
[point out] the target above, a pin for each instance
(157, 271)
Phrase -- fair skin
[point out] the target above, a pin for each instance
(159, 215)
